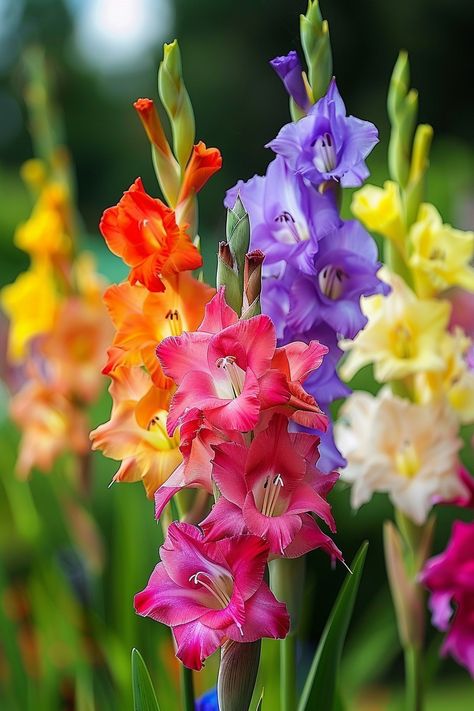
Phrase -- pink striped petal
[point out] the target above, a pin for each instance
(303, 358)
(304, 498)
(247, 557)
(225, 519)
(264, 617)
(252, 339)
(195, 642)
(278, 531)
(309, 538)
(179, 355)
(228, 471)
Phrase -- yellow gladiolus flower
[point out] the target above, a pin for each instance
(455, 382)
(379, 209)
(440, 254)
(402, 336)
(46, 232)
(31, 304)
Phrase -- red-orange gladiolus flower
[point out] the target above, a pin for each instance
(204, 162)
(142, 230)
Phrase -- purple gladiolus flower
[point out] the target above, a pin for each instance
(327, 144)
(344, 269)
(290, 71)
(288, 217)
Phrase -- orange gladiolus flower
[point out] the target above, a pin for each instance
(143, 319)
(136, 432)
(142, 231)
(204, 162)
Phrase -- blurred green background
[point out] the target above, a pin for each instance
(67, 579)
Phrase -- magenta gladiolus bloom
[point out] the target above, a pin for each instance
(450, 579)
(210, 592)
(271, 489)
(229, 370)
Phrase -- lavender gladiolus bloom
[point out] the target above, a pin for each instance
(327, 144)
(345, 268)
(288, 217)
(289, 69)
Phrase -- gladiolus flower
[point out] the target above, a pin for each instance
(143, 319)
(290, 71)
(226, 370)
(402, 336)
(326, 144)
(136, 432)
(50, 425)
(143, 232)
(409, 451)
(449, 578)
(271, 489)
(211, 592)
(31, 305)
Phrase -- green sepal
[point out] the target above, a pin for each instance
(227, 277)
(238, 237)
(144, 697)
(320, 689)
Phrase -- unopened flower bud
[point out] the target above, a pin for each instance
(252, 283)
(317, 49)
(237, 674)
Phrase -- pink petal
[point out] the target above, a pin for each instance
(264, 617)
(166, 602)
(218, 314)
(253, 339)
(179, 355)
(240, 414)
(228, 471)
(225, 519)
(309, 538)
(273, 389)
(303, 358)
(195, 643)
(278, 531)
(247, 557)
(233, 614)
(304, 499)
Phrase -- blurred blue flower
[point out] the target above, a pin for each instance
(208, 701)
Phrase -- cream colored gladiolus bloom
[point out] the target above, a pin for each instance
(406, 450)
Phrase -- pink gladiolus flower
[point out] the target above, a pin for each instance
(226, 370)
(211, 592)
(269, 490)
(467, 501)
(450, 578)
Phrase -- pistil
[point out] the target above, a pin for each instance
(174, 322)
(331, 281)
(272, 492)
(325, 159)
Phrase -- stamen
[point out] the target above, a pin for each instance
(235, 374)
(325, 158)
(290, 231)
(272, 492)
(216, 590)
(174, 322)
(331, 281)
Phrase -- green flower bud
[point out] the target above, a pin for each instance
(316, 45)
(177, 103)
(237, 674)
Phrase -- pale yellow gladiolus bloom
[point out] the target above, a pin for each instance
(407, 450)
(31, 305)
(455, 382)
(379, 209)
(440, 254)
(402, 336)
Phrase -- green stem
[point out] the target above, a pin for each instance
(413, 679)
(288, 673)
(187, 687)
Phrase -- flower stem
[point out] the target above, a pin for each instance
(413, 680)
(288, 673)
(187, 687)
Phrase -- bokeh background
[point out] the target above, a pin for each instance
(66, 583)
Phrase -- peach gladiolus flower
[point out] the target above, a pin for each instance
(136, 432)
(143, 319)
(50, 425)
(142, 231)
(407, 450)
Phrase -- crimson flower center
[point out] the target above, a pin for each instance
(271, 493)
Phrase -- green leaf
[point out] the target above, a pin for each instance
(144, 698)
(320, 693)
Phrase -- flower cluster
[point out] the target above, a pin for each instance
(317, 265)
(58, 328)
